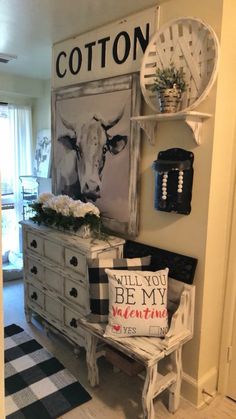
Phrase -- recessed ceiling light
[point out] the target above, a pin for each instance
(5, 58)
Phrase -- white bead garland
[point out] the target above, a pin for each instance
(180, 181)
(164, 185)
(165, 181)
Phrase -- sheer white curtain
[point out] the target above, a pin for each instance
(20, 121)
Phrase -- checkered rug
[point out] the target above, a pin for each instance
(37, 386)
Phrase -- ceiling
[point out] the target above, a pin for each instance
(28, 28)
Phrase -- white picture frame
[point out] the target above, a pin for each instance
(114, 99)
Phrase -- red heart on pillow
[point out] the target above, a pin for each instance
(116, 327)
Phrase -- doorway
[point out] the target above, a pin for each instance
(227, 362)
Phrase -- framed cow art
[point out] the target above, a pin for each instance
(96, 148)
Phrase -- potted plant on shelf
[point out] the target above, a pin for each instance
(169, 83)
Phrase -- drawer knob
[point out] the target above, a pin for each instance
(34, 270)
(73, 323)
(34, 296)
(34, 244)
(73, 292)
(74, 261)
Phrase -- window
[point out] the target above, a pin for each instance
(6, 156)
(15, 160)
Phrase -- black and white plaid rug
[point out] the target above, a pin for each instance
(37, 386)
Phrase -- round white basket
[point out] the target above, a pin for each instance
(189, 44)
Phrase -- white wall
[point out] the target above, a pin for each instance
(20, 87)
(42, 110)
(32, 92)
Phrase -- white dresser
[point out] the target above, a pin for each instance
(56, 275)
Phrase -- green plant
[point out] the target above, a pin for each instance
(166, 78)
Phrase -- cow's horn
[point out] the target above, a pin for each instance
(68, 124)
(113, 122)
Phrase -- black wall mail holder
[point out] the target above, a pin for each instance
(173, 180)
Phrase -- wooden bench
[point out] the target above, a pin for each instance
(161, 357)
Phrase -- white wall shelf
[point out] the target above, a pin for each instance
(193, 119)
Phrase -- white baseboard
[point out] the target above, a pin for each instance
(200, 391)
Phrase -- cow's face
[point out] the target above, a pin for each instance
(90, 143)
(91, 155)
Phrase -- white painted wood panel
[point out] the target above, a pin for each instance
(190, 44)
(53, 307)
(54, 280)
(54, 252)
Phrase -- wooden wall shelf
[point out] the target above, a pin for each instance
(193, 119)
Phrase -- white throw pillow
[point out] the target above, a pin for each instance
(137, 303)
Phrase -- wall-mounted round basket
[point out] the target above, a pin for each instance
(189, 44)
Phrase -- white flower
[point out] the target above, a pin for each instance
(92, 209)
(44, 197)
(60, 203)
(80, 209)
(67, 206)
(50, 203)
(65, 211)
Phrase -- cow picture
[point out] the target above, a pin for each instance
(92, 150)
(42, 159)
(87, 147)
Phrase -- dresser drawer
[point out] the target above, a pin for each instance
(35, 296)
(35, 243)
(54, 252)
(70, 321)
(76, 294)
(75, 261)
(53, 307)
(53, 280)
(34, 269)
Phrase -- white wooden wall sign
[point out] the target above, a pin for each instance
(112, 50)
(190, 44)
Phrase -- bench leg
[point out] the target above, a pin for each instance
(174, 390)
(148, 392)
(91, 358)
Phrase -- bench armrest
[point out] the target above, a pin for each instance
(182, 322)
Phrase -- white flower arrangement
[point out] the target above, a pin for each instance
(66, 213)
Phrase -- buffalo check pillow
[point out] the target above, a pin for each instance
(137, 303)
(98, 282)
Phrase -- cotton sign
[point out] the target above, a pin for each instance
(112, 50)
